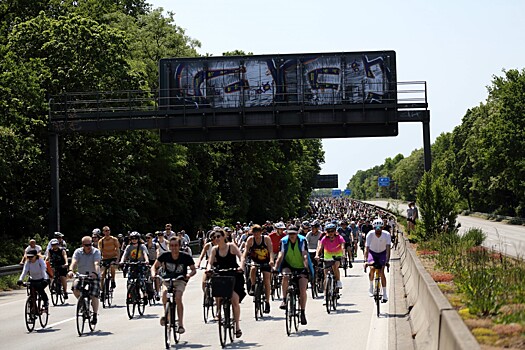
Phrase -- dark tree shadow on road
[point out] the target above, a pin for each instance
(311, 332)
(242, 345)
(186, 345)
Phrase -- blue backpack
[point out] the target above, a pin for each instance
(302, 242)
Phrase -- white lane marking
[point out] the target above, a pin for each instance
(12, 302)
(60, 322)
(378, 331)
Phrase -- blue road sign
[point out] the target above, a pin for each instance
(336, 193)
(383, 181)
(348, 192)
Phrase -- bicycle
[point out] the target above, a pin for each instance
(57, 293)
(276, 283)
(293, 307)
(318, 279)
(34, 308)
(208, 302)
(395, 239)
(136, 296)
(378, 295)
(222, 287)
(331, 294)
(171, 324)
(84, 308)
(107, 290)
(258, 294)
(345, 260)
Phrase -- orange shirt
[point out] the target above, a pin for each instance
(109, 247)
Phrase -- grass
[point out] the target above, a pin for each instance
(486, 287)
(9, 282)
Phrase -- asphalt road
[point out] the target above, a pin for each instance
(354, 325)
(508, 239)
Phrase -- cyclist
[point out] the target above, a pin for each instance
(32, 246)
(161, 242)
(168, 233)
(152, 256)
(377, 249)
(35, 266)
(260, 250)
(355, 235)
(87, 259)
(276, 236)
(57, 257)
(136, 251)
(305, 228)
(293, 255)
(95, 236)
(333, 246)
(346, 232)
(61, 242)
(224, 256)
(206, 254)
(175, 263)
(109, 247)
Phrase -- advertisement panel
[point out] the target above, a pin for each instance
(255, 81)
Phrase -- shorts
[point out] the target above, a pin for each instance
(286, 268)
(348, 245)
(178, 286)
(105, 262)
(379, 258)
(61, 271)
(94, 286)
(265, 267)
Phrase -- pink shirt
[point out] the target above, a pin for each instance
(332, 248)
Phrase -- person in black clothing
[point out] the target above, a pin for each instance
(175, 264)
(224, 256)
(57, 257)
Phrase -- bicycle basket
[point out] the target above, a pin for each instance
(222, 286)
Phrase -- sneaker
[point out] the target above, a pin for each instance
(371, 291)
(65, 296)
(94, 319)
(339, 285)
(385, 297)
(113, 285)
(181, 330)
(162, 321)
(266, 307)
(252, 290)
(157, 296)
(283, 305)
(350, 265)
(303, 318)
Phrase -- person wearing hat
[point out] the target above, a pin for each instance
(152, 256)
(35, 267)
(61, 242)
(95, 236)
(293, 256)
(276, 236)
(57, 257)
(32, 246)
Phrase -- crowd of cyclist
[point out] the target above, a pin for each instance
(333, 228)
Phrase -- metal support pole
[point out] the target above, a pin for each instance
(426, 142)
(54, 211)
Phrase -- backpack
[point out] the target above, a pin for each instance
(302, 242)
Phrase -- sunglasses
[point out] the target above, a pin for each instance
(330, 231)
(133, 238)
(217, 236)
(292, 233)
(87, 245)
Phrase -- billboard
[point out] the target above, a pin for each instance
(262, 81)
(327, 181)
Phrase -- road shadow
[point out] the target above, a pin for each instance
(345, 311)
(344, 304)
(396, 315)
(115, 307)
(186, 345)
(354, 276)
(146, 316)
(47, 330)
(97, 333)
(240, 344)
(311, 332)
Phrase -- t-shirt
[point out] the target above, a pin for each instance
(175, 268)
(332, 248)
(133, 253)
(86, 262)
(109, 247)
(313, 239)
(56, 258)
(378, 244)
(276, 241)
(37, 270)
(37, 248)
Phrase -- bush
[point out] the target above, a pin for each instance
(475, 236)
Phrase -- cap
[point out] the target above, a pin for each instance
(32, 252)
(149, 234)
(292, 229)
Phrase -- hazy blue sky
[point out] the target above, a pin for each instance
(456, 46)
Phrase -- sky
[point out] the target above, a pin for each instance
(455, 46)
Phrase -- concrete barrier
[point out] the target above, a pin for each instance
(453, 334)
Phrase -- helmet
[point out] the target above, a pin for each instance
(306, 224)
(96, 231)
(316, 223)
(292, 229)
(134, 234)
(53, 241)
(344, 222)
(280, 224)
(352, 222)
(58, 234)
(330, 226)
(377, 222)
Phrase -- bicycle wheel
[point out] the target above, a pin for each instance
(262, 299)
(320, 282)
(43, 315)
(289, 314)
(29, 316)
(377, 297)
(205, 304)
(297, 310)
(335, 295)
(231, 321)
(80, 316)
(141, 300)
(257, 300)
(105, 292)
(224, 319)
(328, 293)
(88, 313)
(167, 324)
(60, 292)
(130, 300)
(175, 323)
(53, 291)
(314, 286)
(345, 264)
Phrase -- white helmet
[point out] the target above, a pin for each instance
(96, 232)
(280, 224)
(377, 222)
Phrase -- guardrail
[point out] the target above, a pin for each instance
(10, 270)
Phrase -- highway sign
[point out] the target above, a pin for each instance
(383, 181)
(336, 193)
(348, 192)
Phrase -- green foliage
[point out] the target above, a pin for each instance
(475, 235)
(9, 282)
